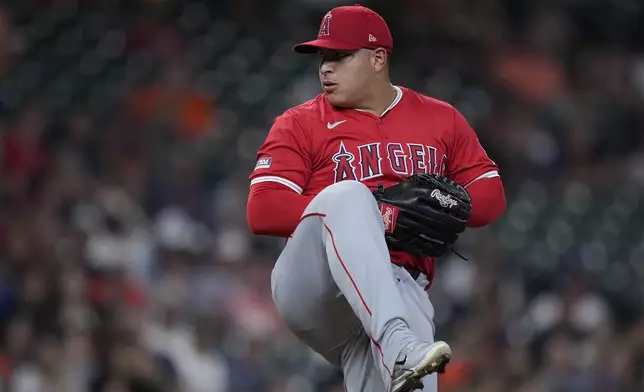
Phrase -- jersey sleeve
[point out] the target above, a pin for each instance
(468, 161)
(284, 157)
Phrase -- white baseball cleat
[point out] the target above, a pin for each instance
(418, 360)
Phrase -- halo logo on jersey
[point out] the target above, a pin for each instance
(264, 163)
(445, 201)
(389, 217)
(344, 169)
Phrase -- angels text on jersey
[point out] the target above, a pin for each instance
(403, 159)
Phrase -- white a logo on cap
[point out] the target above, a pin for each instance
(372, 38)
(325, 27)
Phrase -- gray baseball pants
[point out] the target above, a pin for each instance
(337, 290)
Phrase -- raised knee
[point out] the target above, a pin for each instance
(345, 198)
(347, 190)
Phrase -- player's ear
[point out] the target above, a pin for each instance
(379, 59)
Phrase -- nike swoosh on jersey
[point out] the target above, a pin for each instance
(335, 124)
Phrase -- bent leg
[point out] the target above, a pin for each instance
(334, 286)
(358, 258)
(307, 297)
(421, 316)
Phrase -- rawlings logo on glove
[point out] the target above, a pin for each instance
(389, 217)
(424, 214)
(444, 200)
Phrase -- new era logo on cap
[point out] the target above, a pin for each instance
(350, 28)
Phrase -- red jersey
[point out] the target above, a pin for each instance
(316, 144)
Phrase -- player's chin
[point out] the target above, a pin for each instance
(338, 100)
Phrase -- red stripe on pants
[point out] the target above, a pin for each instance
(382, 358)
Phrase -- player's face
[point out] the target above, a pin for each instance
(345, 75)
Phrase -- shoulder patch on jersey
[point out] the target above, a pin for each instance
(264, 163)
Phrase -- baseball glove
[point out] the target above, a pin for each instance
(424, 214)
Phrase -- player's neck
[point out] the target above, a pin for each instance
(381, 98)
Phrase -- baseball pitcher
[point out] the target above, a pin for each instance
(369, 182)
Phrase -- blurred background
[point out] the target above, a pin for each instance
(127, 133)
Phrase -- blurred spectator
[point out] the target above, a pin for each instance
(6, 42)
(173, 102)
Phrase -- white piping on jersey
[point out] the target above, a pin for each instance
(397, 99)
(490, 174)
(277, 179)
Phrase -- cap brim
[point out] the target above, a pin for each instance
(314, 46)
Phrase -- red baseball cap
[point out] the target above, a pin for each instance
(350, 28)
